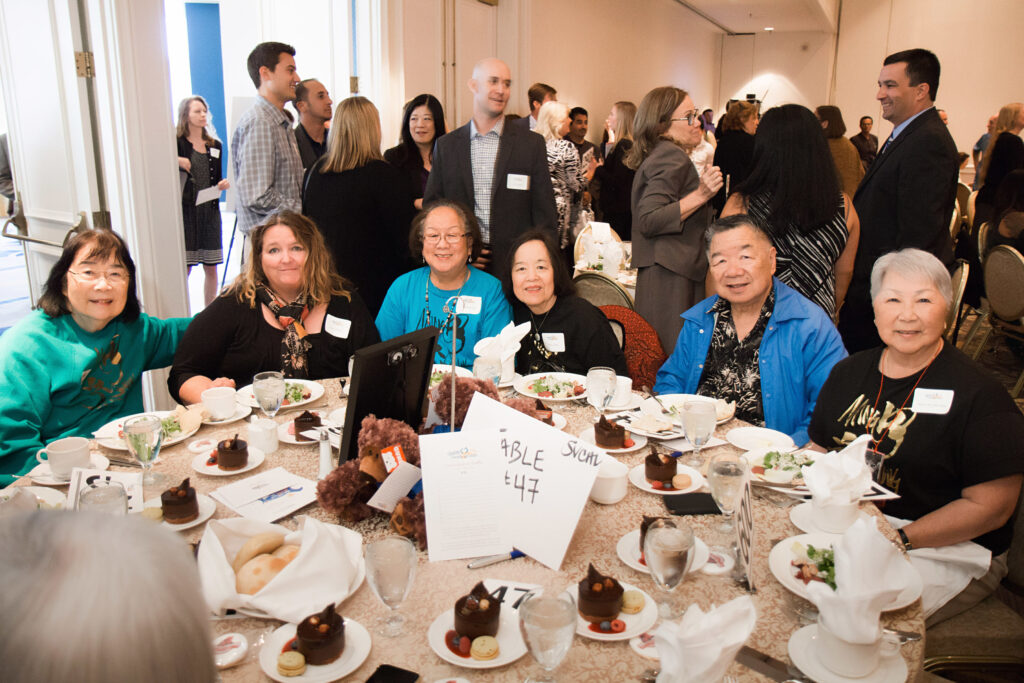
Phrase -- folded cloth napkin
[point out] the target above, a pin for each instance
(602, 232)
(701, 646)
(611, 257)
(839, 478)
(947, 570)
(504, 346)
(328, 568)
(19, 502)
(870, 572)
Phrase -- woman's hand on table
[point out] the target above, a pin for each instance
(192, 389)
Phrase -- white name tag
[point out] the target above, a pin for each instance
(215, 153)
(554, 341)
(468, 305)
(934, 401)
(337, 327)
(518, 181)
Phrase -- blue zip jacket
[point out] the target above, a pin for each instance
(798, 350)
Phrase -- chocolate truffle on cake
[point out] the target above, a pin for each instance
(644, 526)
(607, 434)
(305, 422)
(179, 503)
(321, 637)
(477, 614)
(600, 597)
(660, 469)
(232, 454)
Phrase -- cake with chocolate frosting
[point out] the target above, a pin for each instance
(600, 597)
(607, 434)
(321, 637)
(477, 614)
(544, 414)
(305, 422)
(659, 468)
(232, 454)
(179, 503)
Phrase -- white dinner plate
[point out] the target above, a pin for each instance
(41, 474)
(445, 369)
(357, 649)
(284, 437)
(649, 405)
(46, 498)
(256, 458)
(632, 403)
(635, 623)
(247, 397)
(207, 507)
(510, 641)
(241, 411)
(628, 550)
(804, 646)
(639, 441)
(802, 516)
(637, 478)
(759, 438)
(337, 416)
(780, 562)
(117, 444)
(523, 383)
(755, 458)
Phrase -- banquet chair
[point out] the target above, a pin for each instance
(983, 240)
(1004, 288)
(979, 314)
(644, 355)
(959, 278)
(955, 221)
(577, 249)
(970, 207)
(963, 196)
(601, 290)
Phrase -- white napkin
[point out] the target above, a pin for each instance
(947, 570)
(328, 568)
(701, 646)
(870, 573)
(504, 346)
(839, 478)
(611, 255)
(602, 232)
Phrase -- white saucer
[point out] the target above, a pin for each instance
(510, 641)
(241, 411)
(40, 474)
(284, 437)
(637, 478)
(256, 458)
(639, 441)
(802, 517)
(207, 507)
(337, 416)
(644, 646)
(357, 649)
(635, 623)
(628, 550)
(759, 438)
(631, 403)
(802, 650)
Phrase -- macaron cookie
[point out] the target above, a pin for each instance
(291, 664)
(484, 648)
(632, 602)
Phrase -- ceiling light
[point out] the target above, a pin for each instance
(769, 28)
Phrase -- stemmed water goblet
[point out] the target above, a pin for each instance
(600, 387)
(268, 388)
(698, 422)
(547, 621)
(727, 473)
(143, 435)
(668, 552)
(390, 568)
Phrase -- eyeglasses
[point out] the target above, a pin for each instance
(691, 118)
(433, 238)
(113, 277)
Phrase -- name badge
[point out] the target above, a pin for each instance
(468, 305)
(933, 401)
(554, 341)
(518, 181)
(215, 153)
(337, 327)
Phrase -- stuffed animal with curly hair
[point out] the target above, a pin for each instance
(465, 387)
(410, 520)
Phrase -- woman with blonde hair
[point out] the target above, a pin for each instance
(199, 156)
(362, 204)
(1010, 121)
(288, 310)
(567, 175)
(614, 179)
(735, 151)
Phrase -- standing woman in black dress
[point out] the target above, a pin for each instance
(614, 178)
(199, 155)
(422, 123)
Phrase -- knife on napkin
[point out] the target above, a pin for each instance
(775, 669)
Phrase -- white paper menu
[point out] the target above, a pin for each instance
(267, 496)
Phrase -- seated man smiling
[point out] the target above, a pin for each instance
(758, 342)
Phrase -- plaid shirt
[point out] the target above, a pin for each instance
(268, 170)
(483, 154)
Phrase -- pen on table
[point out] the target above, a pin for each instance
(494, 559)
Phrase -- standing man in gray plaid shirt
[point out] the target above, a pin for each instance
(264, 156)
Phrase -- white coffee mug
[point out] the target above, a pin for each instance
(834, 518)
(852, 660)
(219, 402)
(610, 486)
(623, 392)
(263, 434)
(65, 454)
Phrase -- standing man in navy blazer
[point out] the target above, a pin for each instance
(906, 197)
(499, 171)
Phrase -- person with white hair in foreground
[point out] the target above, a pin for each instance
(95, 598)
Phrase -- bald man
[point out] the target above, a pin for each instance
(499, 172)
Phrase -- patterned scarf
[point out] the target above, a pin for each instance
(294, 346)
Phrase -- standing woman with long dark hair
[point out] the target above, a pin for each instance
(422, 123)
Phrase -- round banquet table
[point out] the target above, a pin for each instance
(438, 584)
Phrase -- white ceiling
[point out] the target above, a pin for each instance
(752, 16)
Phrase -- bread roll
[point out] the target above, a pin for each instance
(258, 572)
(287, 552)
(259, 544)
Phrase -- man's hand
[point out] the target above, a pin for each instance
(483, 260)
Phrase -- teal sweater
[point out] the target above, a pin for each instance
(58, 380)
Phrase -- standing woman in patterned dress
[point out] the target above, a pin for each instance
(199, 155)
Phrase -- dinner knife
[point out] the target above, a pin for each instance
(774, 669)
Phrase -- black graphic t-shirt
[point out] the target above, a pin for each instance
(929, 456)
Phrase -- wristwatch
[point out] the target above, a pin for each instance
(903, 539)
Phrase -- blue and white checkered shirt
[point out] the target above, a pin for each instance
(483, 154)
(266, 163)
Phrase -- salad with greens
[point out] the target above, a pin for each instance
(814, 564)
(170, 426)
(779, 466)
(294, 393)
(548, 386)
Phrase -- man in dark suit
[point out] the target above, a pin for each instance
(500, 172)
(537, 95)
(906, 197)
(314, 106)
(866, 143)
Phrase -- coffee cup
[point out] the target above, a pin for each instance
(263, 434)
(851, 660)
(611, 483)
(219, 402)
(65, 454)
(835, 518)
(623, 392)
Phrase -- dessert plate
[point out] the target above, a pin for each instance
(780, 561)
(116, 443)
(639, 441)
(510, 641)
(632, 403)
(759, 438)
(241, 411)
(628, 550)
(357, 649)
(803, 650)
(285, 437)
(676, 401)
(45, 498)
(522, 385)
(246, 397)
(635, 623)
(41, 474)
(802, 517)
(637, 478)
(207, 507)
(256, 458)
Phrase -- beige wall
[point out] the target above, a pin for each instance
(779, 67)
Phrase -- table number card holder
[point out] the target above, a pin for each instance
(745, 541)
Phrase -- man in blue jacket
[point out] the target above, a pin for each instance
(758, 342)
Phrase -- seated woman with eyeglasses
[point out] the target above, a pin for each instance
(567, 333)
(448, 238)
(74, 364)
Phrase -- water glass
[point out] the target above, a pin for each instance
(104, 496)
(143, 435)
(488, 368)
(668, 551)
(601, 383)
(727, 474)
(390, 568)
(268, 387)
(698, 418)
(547, 621)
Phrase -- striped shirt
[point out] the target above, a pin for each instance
(266, 163)
(483, 155)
